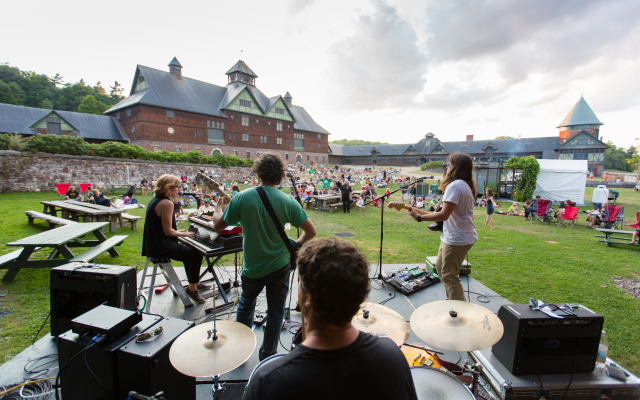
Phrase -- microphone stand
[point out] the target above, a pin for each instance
(295, 190)
(378, 274)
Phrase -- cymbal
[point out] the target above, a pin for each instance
(195, 355)
(382, 322)
(456, 325)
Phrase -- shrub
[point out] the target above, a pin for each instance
(16, 142)
(4, 142)
(57, 144)
(432, 165)
(526, 183)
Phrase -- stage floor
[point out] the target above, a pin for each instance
(167, 305)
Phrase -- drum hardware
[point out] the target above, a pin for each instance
(381, 321)
(456, 325)
(432, 383)
(138, 396)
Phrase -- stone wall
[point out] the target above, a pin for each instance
(35, 172)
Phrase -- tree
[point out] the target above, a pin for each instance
(90, 105)
(616, 158)
(116, 92)
(8, 96)
(503, 137)
(347, 142)
(46, 103)
(57, 80)
(99, 89)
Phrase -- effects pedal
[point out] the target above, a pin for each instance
(259, 318)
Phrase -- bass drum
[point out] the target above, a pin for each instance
(263, 363)
(431, 383)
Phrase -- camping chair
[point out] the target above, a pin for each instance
(614, 218)
(569, 217)
(637, 224)
(62, 189)
(544, 212)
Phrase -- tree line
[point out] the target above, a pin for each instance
(347, 142)
(28, 88)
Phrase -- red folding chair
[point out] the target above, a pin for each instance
(544, 212)
(84, 186)
(614, 218)
(637, 224)
(569, 217)
(62, 188)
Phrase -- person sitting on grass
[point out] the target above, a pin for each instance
(99, 199)
(88, 193)
(433, 204)
(514, 209)
(597, 215)
(206, 206)
(144, 186)
(483, 202)
(73, 194)
(419, 203)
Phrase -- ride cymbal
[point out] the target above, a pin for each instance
(194, 354)
(456, 325)
(381, 321)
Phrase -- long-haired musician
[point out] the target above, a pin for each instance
(160, 238)
(459, 231)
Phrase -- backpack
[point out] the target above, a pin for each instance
(134, 201)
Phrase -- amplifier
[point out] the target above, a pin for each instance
(145, 367)
(594, 385)
(77, 288)
(76, 380)
(535, 343)
(229, 240)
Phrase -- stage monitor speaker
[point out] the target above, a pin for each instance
(535, 343)
(145, 367)
(76, 288)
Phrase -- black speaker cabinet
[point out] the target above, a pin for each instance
(75, 290)
(76, 381)
(145, 367)
(535, 343)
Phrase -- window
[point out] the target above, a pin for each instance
(263, 139)
(171, 114)
(156, 148)
(279, 110)
(245, 103)
(54, 125)
(298, 135)
(323, 158)
(308, 159)
(308, 144)
(235, 153)
(196, 132)
(318, 145)
(245, 137)
(117, 115)
(232, 137)
(215, 136)
(218, 125)
(248, 154)
(222, 126)
(279, 126)
(245, 120)
(489, 150)
(178, 150)
(128, 112)
(133, 128)
(199, 133)
(208, 124)
(286, 156)
(319, 136)
(216, 151)
(198, 148)
(316, 158)
(279, 140)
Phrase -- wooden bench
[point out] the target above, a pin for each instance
(5, 258)
(334, 205)
(131, 219)
(107, 245)
(610, 239)
(53, 221)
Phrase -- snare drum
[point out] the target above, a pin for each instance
(431, 383)
(263, 363)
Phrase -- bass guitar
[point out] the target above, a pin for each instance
(436, 226)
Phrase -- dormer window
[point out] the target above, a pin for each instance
(489, 150)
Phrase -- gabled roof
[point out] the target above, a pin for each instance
(304, 122)
(506, 145)
(490, 144)
(19, 119)
(336, 149)
(167, 92)
(428, 144)
(591, 142)
(175, 62)
(240, 66)
(580, 114)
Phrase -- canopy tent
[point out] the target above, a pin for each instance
(561, 180)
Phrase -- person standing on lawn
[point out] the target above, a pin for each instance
(459, 231)
(346, 193)
(490, 208)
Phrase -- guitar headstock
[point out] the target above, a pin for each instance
(398, 205)
(209, 183)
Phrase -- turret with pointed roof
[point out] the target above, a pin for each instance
(241, 72)
(175, 69)
(580, 118)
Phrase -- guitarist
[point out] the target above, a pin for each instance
(266, 258)
(459, 231)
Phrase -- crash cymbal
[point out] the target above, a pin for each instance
(456, 325)
(194, 354)
(381, 321)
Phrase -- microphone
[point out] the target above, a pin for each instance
(289, 175)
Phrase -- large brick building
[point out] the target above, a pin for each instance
(167, 111)
(578, 139)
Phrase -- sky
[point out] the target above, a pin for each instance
(380, 70)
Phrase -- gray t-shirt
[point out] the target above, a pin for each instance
(459, 229)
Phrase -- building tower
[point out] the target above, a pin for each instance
(242, 73)
(175, 69)
(580, 118)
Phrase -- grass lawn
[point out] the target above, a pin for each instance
(555, 264)
(421, 172)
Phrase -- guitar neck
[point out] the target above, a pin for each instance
(398, 207)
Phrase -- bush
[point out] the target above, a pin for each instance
(527, 181)
(432, 165)
(58, 144)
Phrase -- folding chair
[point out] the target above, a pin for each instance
(544, 212)
(612, 220)
(637, 224)
(62, 188)
(569, 218)
(84, 186)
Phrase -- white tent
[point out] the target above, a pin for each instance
(561, 180)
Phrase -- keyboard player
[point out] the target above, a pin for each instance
(160, 238)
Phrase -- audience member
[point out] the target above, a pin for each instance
(144, 186)
(99, 199)
(177, 207)
(433, 204)
(73, 194)
(532, 209)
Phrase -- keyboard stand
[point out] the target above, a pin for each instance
(210, 264)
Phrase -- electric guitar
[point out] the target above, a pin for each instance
(210, 183)
(398, 205)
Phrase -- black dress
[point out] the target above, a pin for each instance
(346, 198)
(156, 244)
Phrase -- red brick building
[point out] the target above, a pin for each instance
(166, 111)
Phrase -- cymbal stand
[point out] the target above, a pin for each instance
(218, 388)
(476, 371)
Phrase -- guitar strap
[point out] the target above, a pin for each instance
(279, 228)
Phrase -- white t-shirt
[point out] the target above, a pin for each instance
(459, 229)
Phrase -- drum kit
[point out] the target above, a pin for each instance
(218, 347)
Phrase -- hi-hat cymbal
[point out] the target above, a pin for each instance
(194, 354)
(381, 321)
(456, 325)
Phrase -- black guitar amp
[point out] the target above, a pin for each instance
(77, 288)
(535, 343)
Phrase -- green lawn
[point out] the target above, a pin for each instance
(555, 264)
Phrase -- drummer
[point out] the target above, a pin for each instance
(335, 361)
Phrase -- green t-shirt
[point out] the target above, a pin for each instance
(264, 251)
(326, 183)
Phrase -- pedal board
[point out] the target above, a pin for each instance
(411, 280)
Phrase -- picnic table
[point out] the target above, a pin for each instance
(61, 241)
(116, 185)
(615, 236)
(77, 209)
(323, 200)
